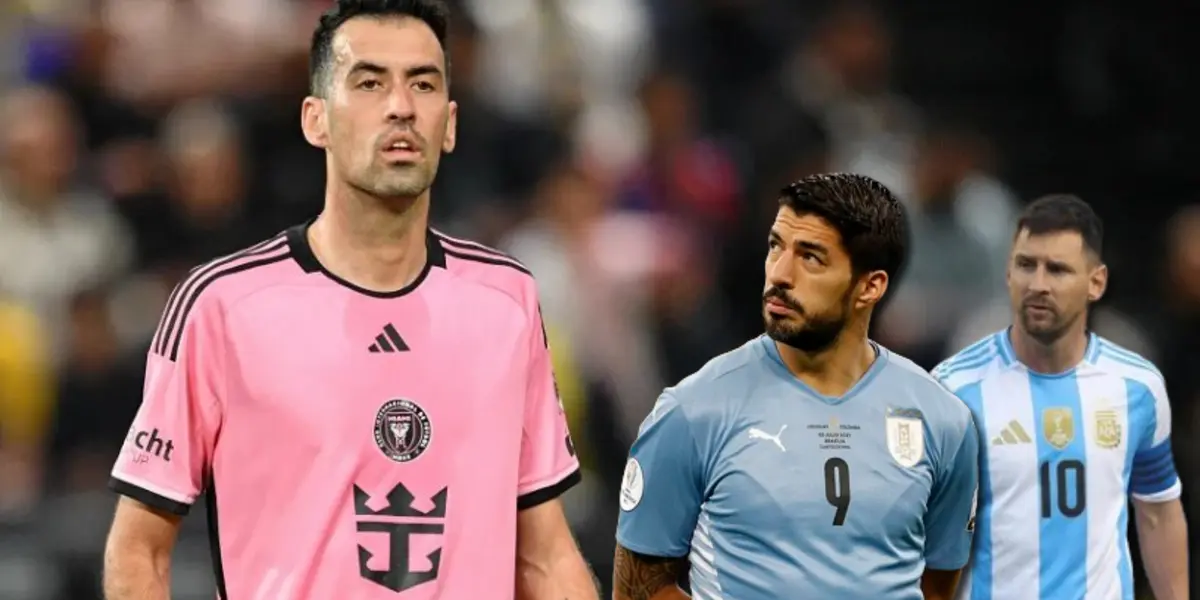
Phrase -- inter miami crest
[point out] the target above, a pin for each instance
(402, 430)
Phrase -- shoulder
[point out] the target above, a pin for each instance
(209, 287)
(936, 402)
(717, 388)
(1113, 359)
(486, 266)
(971, 364)
(721, 372)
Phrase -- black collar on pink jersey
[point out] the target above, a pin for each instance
(302, 252)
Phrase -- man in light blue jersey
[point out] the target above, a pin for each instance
(811, 462)
(1071, 425)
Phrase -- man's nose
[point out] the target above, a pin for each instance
(779, 272)
(400, 106)
(1040, 281)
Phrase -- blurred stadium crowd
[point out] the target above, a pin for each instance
(628, 151)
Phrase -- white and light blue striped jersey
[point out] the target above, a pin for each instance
(1061, 453)
(775, 491)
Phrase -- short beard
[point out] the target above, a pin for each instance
(817, 334)
(1047, 336)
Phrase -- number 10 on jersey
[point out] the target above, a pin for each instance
(1064, 487)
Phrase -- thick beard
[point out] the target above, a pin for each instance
(817, 334)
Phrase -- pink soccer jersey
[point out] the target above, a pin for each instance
(352, 444)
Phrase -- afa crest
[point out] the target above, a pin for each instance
(906, 437)
(1058, 426)
(1108, 429)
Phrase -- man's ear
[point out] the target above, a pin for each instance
(313, 122)
(871, 289)
(450, 140)
(1098, 282)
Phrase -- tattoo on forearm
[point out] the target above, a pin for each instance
(639, 577)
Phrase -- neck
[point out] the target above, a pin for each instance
(833, 371)
(1057, 356)
(378, 245)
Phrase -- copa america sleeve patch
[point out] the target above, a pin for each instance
(632, 485)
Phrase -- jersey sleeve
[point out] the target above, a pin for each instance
(950, 520)
(662, 488)
(165, 459)
(549, 466)
(1153, 477)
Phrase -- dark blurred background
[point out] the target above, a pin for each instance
(628, 151)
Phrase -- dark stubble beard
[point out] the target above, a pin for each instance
(816, 334)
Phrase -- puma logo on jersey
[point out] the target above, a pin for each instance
(758, 434)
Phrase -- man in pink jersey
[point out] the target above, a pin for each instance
(368, 404)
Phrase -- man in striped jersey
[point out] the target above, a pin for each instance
(1071, 424)
(373, 400)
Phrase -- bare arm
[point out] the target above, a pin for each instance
(137, 558)
(939, 585)
(640, 577)
(1162, 535)
(549, 565)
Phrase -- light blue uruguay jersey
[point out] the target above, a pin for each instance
(774, 491)
(1061, 453)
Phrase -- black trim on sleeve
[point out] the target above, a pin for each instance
(147, 497)
(549, 492)
(214, 541)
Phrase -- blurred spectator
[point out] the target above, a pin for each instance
(26, 402)
(98, 396)
(574, 244)
(56, 237)
(953, 203)
(546, 57)
(1180, 335)
(482, 187)
(165, 52)
(684, 174)
(842, 76)
(207, 187)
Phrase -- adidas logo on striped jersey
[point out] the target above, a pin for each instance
(1012, 433)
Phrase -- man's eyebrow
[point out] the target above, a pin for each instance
(363, 66)
(1050, 262)
(420, 70)
(812, 247)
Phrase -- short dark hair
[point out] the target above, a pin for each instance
(868, 216)
(433, 13)
(1056, 213)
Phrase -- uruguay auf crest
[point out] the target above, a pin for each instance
(906, 437)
